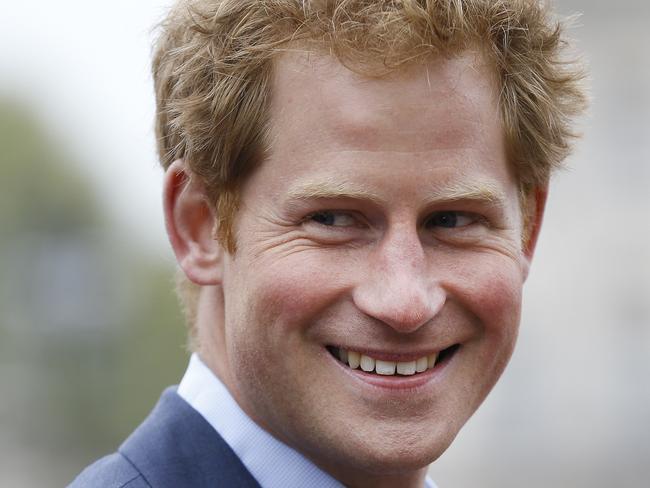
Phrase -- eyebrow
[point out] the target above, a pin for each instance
(332, 190)
(479, 192)
(483, 192)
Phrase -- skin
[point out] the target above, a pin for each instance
(386, 220)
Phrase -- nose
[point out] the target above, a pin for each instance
(397, 287)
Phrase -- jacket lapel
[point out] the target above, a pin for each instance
(175, 447)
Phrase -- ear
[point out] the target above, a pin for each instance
(535, 210)
(191, 225)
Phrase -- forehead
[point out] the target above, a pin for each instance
(314, 93)
(426, 126)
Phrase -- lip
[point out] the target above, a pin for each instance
(396, 383)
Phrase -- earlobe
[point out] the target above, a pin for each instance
(536, 206)
(190, 223)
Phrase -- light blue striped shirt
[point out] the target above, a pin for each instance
(272, 463)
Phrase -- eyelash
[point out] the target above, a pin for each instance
(329, 213)
(453, 215)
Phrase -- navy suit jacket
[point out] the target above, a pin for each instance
(174, 447)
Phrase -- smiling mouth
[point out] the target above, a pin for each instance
(368, 364)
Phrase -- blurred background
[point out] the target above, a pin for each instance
(90, 332)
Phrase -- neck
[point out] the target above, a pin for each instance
(358, 473)
(211, 344)
(406, 479)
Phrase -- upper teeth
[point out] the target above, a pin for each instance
(387, 368)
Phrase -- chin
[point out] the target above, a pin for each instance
(408, 453)
(388, 452)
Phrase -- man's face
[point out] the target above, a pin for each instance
(385, 222)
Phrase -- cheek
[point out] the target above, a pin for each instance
(491, 289)
(270, 326)
(288, 293)
(500, 297)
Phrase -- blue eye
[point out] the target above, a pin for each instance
(450, 220)
(324, 218)
(333, 219)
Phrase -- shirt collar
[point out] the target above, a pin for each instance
(271, 462)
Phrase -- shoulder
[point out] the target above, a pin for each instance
(113, 471)
(174, 447)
